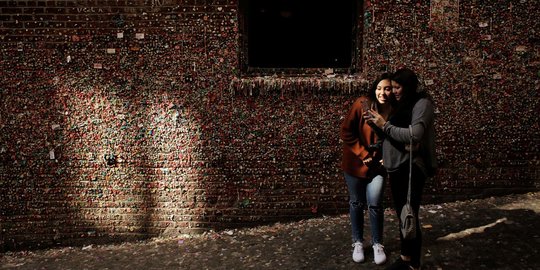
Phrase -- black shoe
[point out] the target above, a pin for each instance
(399, 264)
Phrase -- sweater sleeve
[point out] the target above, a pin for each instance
(350, 130)
(422, 116)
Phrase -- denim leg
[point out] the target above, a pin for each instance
(357, 197)
(374, 195)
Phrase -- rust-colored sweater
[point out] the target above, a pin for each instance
(357, 135)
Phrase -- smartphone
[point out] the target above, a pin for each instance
(365, 105)
(366, 108)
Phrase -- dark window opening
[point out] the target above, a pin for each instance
(299, 33)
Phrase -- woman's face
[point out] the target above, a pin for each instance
(383, 91)
(397, 90)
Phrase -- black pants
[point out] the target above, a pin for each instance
(399, 184)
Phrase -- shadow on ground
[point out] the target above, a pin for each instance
(493, 233)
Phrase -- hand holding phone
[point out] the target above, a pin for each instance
(365, 105)
(365, 109)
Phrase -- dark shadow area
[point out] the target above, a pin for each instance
(300, 34)
(482, 238)
(476, 241)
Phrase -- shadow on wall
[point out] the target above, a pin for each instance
(139, 145)
(37, 205)
(90, 153)
(87, 158)
(278, 160)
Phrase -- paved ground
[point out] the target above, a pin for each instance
(492, 233)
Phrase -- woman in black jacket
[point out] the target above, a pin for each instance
(415, 109)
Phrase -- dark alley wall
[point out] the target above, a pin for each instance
(124, 119)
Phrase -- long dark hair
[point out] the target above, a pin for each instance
(410, 95)
(409, 81)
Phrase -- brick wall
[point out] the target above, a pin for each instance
(124, 119)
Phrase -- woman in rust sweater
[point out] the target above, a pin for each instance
(362, 168)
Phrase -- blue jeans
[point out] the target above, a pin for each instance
(362, 191)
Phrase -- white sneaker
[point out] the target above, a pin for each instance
(378, 254)
(358, 252)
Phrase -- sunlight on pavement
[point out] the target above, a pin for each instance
(469, 231)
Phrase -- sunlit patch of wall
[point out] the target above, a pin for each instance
(131, 154)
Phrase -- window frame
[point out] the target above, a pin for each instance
(247, 71)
